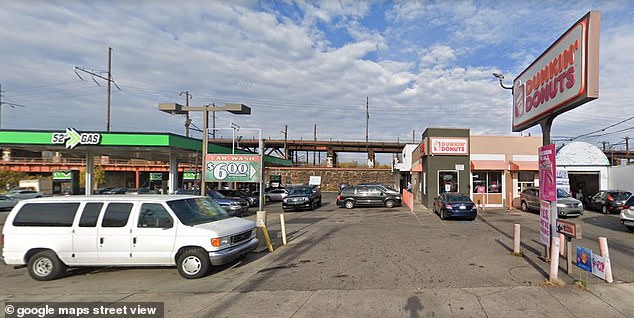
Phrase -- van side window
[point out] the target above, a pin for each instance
(90, 214)
(46, 214)
(116, 215)
(154, 215)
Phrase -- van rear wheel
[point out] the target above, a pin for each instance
(45, 265)
(193, 264)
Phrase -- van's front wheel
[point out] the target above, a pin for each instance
(193, 264)
(45, 265)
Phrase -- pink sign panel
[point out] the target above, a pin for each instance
(547, 173)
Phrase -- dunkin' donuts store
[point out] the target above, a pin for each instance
(492, 170)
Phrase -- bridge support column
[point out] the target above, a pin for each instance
(371, 158)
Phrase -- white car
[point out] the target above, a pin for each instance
(50, 234)
(275, 194)
(627, 214)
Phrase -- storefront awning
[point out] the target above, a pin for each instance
(524, 166)
(418, 168)
(488, 165)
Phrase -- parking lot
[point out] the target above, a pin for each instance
(364, 261)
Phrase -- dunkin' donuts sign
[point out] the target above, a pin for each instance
(562, 78)
(449, 146)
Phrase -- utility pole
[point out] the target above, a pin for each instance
(627, 149)
(367, 117)
(213, 131)
(413, 136)
(188, 96)
(315, 139)
(285, 141)
(109, 83)
(604, 143)
(109, 79)
(5, 103)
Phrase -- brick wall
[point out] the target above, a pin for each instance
(332, 177)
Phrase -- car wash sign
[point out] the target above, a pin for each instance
(565, 76)
(232, 168)
(71, 138)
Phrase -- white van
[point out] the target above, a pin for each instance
(192, 232)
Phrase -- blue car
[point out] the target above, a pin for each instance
(455, 205)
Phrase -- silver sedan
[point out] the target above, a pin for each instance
(7, 203)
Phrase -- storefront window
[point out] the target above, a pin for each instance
(447, 181)
(525, 179)
(487, 181)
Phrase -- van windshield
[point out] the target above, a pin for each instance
(197, 210)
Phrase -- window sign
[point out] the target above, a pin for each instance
(447, 181)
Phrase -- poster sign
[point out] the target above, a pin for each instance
(544, 222)
(584, 258)
(191, 175)
(232, 168)
(156, 176)
(62, 175)
(598, 266)
(314, 180)
(547, 173)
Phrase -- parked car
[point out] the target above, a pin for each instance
(627, 214)
(252, 199)
(350, 197)
(607, 201)
(102, 190)
(302, 197)
(275, 194)
(20, 194)
(117, 191)
(566, 205)
(190, 232)
(234, 205)
(7, 203)
(143, 191)
(381, 186)
(450, 205)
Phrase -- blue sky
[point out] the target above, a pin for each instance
(302, 63)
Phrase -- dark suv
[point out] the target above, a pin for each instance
(253, 199)
(302, 197)
(367, 196)
(607, 201)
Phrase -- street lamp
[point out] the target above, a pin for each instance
(178, 109)
(500, 76)
(234, 127)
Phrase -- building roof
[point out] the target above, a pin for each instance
(580, 153)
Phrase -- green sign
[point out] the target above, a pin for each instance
(156, 176)
(62, 175)
(191, 175)
(232, 168)
(275, 178)
(72, 138)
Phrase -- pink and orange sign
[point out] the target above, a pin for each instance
(547, 172)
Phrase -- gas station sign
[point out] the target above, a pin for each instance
(232, 168)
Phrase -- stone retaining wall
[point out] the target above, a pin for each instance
(332, 177)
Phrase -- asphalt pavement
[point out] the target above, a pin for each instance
(367, 262)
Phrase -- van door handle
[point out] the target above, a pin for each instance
(101, 240)
(134, 240)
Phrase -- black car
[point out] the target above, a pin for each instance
(455, 205)
(253, 199)
(350, 197)
(607, 201)
(302, 197)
